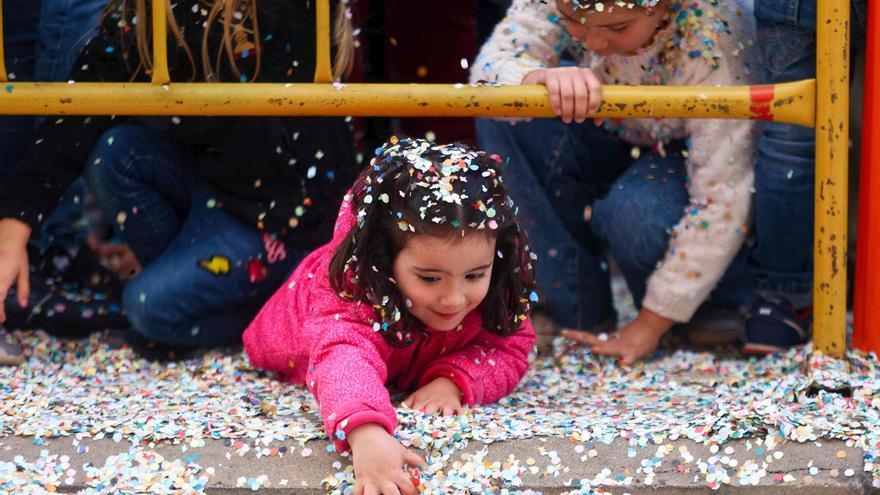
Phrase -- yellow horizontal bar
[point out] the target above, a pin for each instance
(790, 102)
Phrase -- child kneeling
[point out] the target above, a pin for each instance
(668, 198)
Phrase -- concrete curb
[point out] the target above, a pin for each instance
(558, 463)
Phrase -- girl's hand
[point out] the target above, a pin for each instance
(574, 92)
(378, 462)
(441, 395)
(634, 341)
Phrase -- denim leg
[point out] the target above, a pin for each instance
(209, 284)
(65, 28)
(859, 23)
(573, 278)
(636, 216)
(66, 226)
(142, 182)
(781, 260)
(799, 13)
(20, 18)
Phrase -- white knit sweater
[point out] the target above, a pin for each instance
(705, 43)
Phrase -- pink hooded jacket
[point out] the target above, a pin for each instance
(311, 335)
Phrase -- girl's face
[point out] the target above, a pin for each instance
(615, 30)
(445, 279)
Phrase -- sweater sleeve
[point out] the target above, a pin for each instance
(720, 166)
(530, 37)
(488, 368)
(347, 374)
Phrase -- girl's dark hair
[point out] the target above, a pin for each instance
(415, 187)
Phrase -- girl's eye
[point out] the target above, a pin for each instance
(619, 29)
(428, 279)
(475, 276)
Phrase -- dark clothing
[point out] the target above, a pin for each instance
(205, 274)
(781, 260)
(275, 174)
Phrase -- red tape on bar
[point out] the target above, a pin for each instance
(762, 97)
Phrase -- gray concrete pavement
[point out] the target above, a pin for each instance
(548, 465)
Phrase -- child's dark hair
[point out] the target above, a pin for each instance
(415, 187)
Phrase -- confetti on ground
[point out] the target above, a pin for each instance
(85, 390)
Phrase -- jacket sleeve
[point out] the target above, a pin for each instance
(720, 165)
(490, 367)
(529, 37)
(347, 373)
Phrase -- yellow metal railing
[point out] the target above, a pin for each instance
(791, 102)
(821, 103)
(832, 169)
(323, 72)
(2, 50)
(160, 44)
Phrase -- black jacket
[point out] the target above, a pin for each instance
(282, 175)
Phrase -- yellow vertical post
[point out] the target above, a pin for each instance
(160, 44)
(832, 142)
(2, 52)
(323, 72)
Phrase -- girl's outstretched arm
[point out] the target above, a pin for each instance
(347, 374)
(489, 368)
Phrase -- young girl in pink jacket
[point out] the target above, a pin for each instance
(425, 287)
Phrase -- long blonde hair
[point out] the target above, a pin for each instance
(343, 37)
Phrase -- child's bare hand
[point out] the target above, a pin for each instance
(574, 92)
(441, 395)
(631, 343)
(13, 262)
(379, 462)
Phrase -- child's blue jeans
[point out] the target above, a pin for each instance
(582, 192)
(781, 260)
(205, 274)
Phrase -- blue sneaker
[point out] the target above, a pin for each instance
(775, 326)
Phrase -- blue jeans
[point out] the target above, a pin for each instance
(781, 260)
(205, 275)
(42, 41)
(581, 194)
